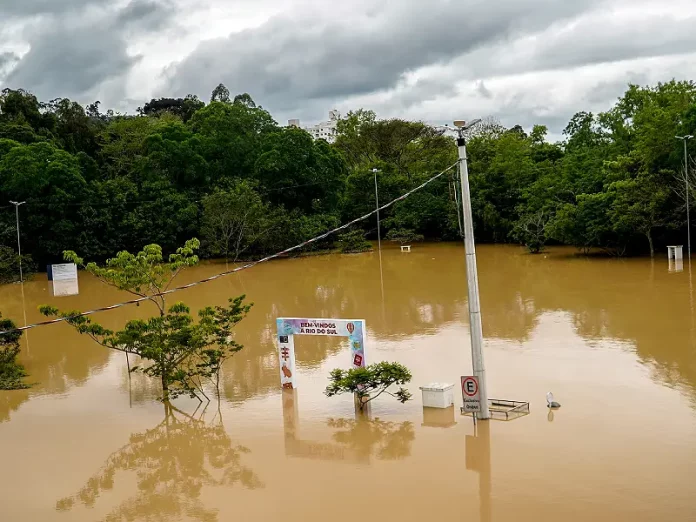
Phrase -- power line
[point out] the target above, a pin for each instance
(235, 270)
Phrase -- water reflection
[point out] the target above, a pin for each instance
(478, 459)
(172, 462)
(676, 265)
(11, 401)
(374, 437)
(356, 440)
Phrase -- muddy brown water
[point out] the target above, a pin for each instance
(615, 340)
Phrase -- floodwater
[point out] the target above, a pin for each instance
(615, 340)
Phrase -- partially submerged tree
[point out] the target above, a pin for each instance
(530, 230)
(370, 382)
(403, 236)
(353, 242)
(9, 265)
(11, 372)
(182, 353)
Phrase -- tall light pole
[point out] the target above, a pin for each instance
(475, 329)
(379, 233)
(379, 242)
(686, 181)
(19, 245)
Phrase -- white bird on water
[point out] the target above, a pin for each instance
(550, 402)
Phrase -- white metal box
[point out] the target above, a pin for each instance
(437, 395)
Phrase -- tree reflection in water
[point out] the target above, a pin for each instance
(386, 440)
(172, 462)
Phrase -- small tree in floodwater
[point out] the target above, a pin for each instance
(182, 353)
(404, 236)
(11, 372)
(353, 242)
(374, 379)
(530, 230)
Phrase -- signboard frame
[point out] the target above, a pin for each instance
(289, 327)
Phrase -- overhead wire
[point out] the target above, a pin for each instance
(234, 270)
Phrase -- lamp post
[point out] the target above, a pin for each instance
(379, 233)
(476, 329)
(19, 246)
(686, 182)
(379, 242)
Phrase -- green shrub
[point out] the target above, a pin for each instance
(9, 267)
(11, 372)
(404, 236)
(353, 242)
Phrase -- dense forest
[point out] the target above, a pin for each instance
(229, 174)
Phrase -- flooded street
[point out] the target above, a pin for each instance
(615, 340)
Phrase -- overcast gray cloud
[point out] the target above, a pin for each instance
(44, 7)
(523, 61)
(71, 66)
(293, 57)
(71, 56)
(7, 58)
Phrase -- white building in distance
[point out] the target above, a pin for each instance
(325, 130)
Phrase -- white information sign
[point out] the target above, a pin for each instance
(64, 272)
(63, 278)
(288, 328)
(65, 288)
(471, 394)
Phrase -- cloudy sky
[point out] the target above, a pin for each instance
(522, 61)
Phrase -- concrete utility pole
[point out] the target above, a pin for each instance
(471, 271)
(19, 246)
(686, 181)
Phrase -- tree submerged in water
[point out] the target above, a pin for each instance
(9, 265)
(11, 372)
(370, 382)
(404, 236)
(530, 230)
(353, 242)
(182, 353)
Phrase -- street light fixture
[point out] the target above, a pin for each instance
(475, 327)
(19, 246)
(686, 182)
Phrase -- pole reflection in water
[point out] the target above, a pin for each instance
(172, 462)
(354, 440)
(478, 458)
(24, 313)
(381, 284)
(691, 305)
